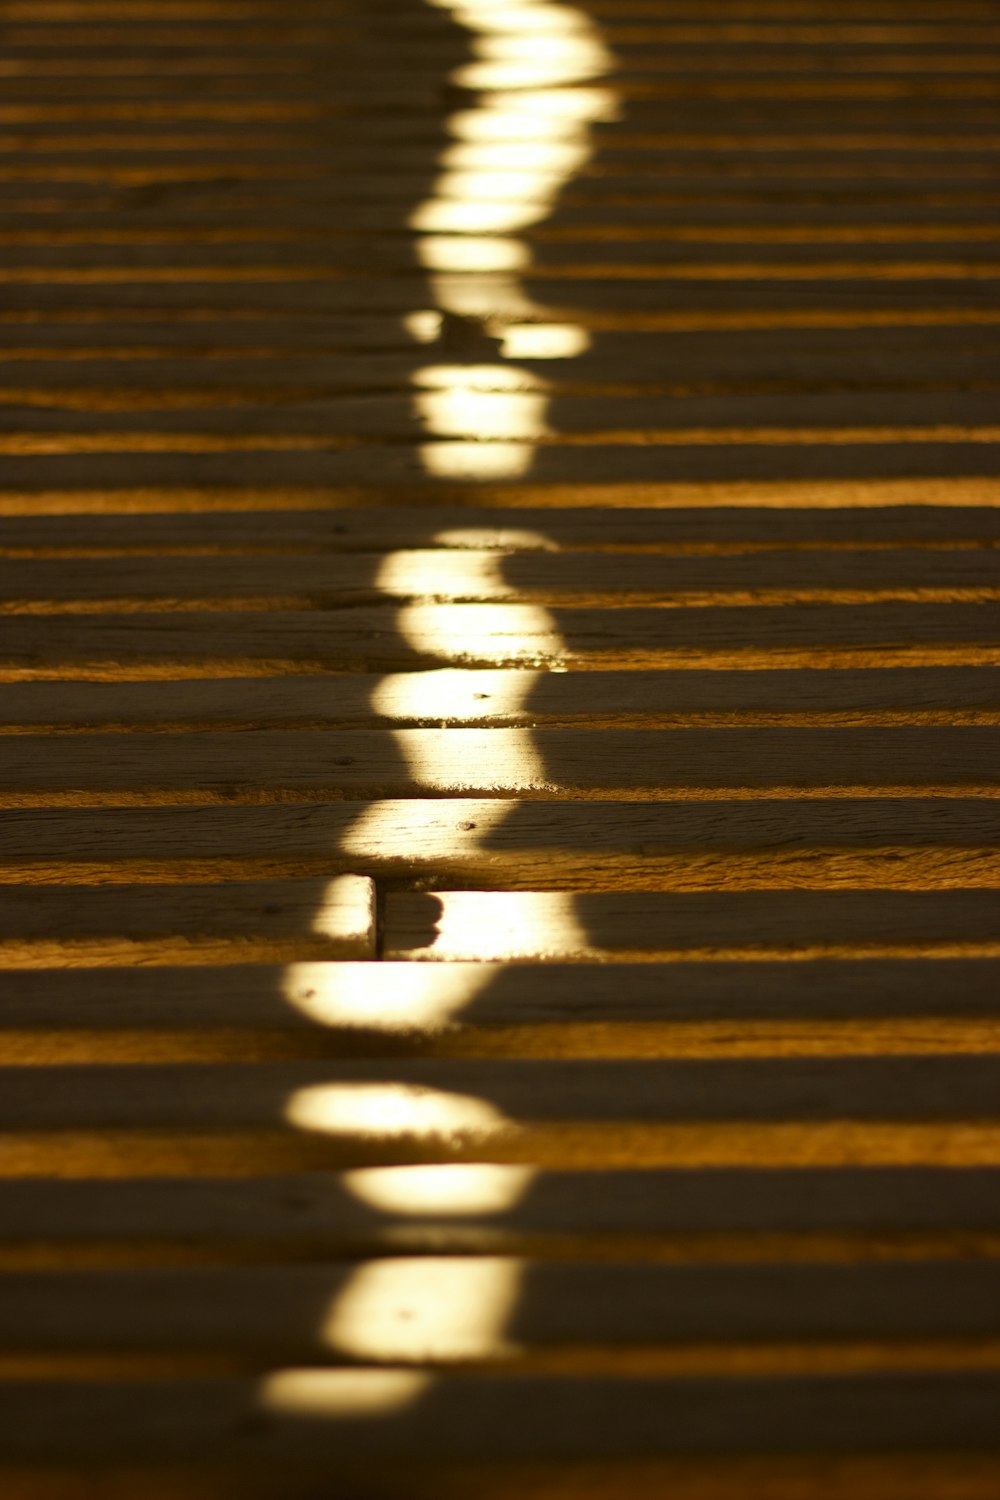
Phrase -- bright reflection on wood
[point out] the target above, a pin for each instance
(453, 1189)
(502, 925)
(426, 1309)
(463, 408)
(513, 153)
(341, 1393)
(471, 253)
(444, 574)
(383, 1110)
(461, 632)
(470, 463)
(347, 909)
(544, 341)
(452, 693)
(338, 994)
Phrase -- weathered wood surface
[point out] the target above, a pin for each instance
(401, 998)
(960, 515)
(338, 913)
(483, 575)
(558, 545)
(434, 1095)
(595, 925)
(699, 459)
(374, 636)
(526, 697)
(373, 763)
(279, 1310)
(868, 1207)
(297, 1421)
(898, 842)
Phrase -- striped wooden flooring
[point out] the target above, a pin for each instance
(500, 723)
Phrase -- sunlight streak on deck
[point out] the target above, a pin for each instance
(513, 152)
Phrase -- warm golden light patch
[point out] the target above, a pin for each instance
(386, 1110)
(425, 1310)
(452, 693)
(454, 1189)
(347, 909)
(344, 994)
(341, 1393)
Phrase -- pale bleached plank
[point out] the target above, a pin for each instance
(457, 696)
(479, 1101)
(491, 575)
(500, 634)
(380, 763)
(518, 925)
(339, 912)
(311, 1418)
(304, 1313)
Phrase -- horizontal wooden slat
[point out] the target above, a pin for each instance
(298, 1418)
(401, 998)
(478, 1099)
(495, 635)
(398, 465)
(744, 418)
(667, 260)
(480, 575)
(960, 514)
(454, 1207)
(373, 763)
(338, 914)
(611, 295)
(382, 354)
(291, 1313)
(899, 842)
(526, 697)
(602, 925)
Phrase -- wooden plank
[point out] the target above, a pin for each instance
(957, 517)
(482, 1100)
(450, 1207)
(292, 1312)
(746, 417)
(400, 466)
(302, 1418)
(501, 634)
(379, 763)
(722, 220)
(291, 351)
(403, 998)
(338, 914)
(666, 260)
(457, 696)
(518, 925)
(489, 575)
(397, 294)
(895, 843)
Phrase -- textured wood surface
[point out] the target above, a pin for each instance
(499, 712)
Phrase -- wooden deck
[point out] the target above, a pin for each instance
(500, 722)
